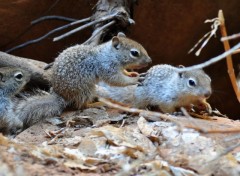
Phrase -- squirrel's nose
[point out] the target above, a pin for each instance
(207, 94)
(149, 60)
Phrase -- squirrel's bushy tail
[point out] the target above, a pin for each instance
(33, 109)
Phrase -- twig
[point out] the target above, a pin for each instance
(229, 57)
(231, 138)
(123, 123)
(52, 17)
(30, 26)
(211, 61)
(98, 30)
(108, 17)
(234, 36)
(46, 35)
(185, 113)
(237, 51)
(225, 152)
(207, 36)
(156, 116)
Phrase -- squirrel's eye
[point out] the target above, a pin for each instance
(192, 83)
(134, 53)
(18, 76)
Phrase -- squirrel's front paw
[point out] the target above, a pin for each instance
(204, 105)
(134, 80)
(141, 78)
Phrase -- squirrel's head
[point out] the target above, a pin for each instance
(131, 54)
(197, 83)
(12, 80)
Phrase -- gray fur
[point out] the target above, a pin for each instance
(39, 107)
(164, 86)
(120, 94)
(77, 69)
(75, 72)
(9, 87)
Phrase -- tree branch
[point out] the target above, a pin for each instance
(211, 61)
(46, 35)
(52, 17)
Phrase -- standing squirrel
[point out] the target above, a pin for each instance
(164, 86)
(76, 71)
(12, 80)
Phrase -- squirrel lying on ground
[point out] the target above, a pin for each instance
(76, 71)
(12, 80)
(164, 86)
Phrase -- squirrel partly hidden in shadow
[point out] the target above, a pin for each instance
(75, 73)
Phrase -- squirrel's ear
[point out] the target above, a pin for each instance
(181, 66)
(1, 76)
(121, 34)
(180, 74)
(115, 42)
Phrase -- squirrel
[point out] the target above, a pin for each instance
(34, 108)
(74, 75)
(164, 86)
(78, 69)
(12, 80)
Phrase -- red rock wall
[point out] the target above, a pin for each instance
(167, 29)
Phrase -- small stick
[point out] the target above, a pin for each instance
(225, 152)
(237, 51)
(52, 17)
(229, 57)
(191, 119)
(234, 36)
(212, 60)
(98, 30)
(46, 35)
(109, 17)
(156, 116)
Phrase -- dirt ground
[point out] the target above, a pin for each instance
(102, 141)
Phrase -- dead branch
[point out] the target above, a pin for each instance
(52, 17)
(229, 57)
(98, 33)
(107, 13)
(156, 116)
(48, 34)
(107, 10)
(213, 60)
(237, 51)
(109, 17)
(231, 37)
(205, 39)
